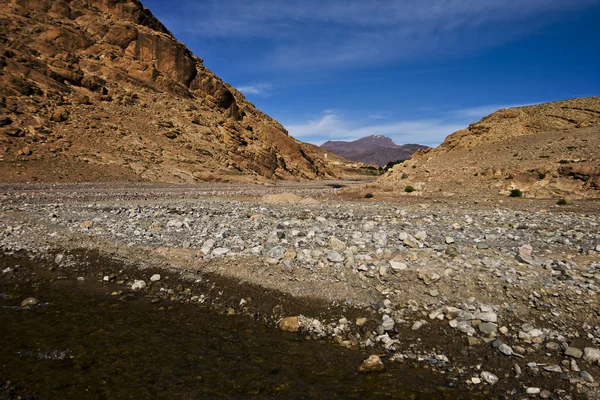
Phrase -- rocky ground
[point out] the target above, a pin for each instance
(499, 296)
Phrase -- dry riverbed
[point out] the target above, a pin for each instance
(499, 297)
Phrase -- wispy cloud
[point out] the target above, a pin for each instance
(256, 89)
(377, 116)
(331, 126)
(315, 34)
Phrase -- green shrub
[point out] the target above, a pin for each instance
(369, 196)
(409, 189)
(516, 193)
(562, 202)
(541, 175)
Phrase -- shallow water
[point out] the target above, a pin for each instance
(81, 343)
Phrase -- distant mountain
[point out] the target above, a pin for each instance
(374, 149)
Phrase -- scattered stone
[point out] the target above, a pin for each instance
(489, 377)
(220, 251)
(586, 376)
(334, 256)
(388, 323)
(591, 355)
(417, 325)
(449, 240)
(155, 278)
(336, 244)
(372, 364)
(207, 247)
(488, 328)
(138, 285)
(29, 302)
(290, 324)
(505, 349)
(533, 390)
(573, 352)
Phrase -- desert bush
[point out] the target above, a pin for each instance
(369, 196)
(562, 202)
(516, 193)
(409, 189)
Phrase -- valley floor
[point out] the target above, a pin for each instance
(499, 297)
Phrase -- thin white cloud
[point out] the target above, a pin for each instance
(256, 89)
(377, 116)
(329, 126)
(317, 34)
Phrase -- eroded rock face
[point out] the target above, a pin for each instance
(547, 150)
(136, 79)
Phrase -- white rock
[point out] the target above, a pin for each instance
(155, 278)
(421, 235)
(207, 247)
(489, 377)
(533, 390)
(138, 285)
(487, 316)
(398, 266)
(591, 355)
(334, 256)
(220, 251)
(449, 240)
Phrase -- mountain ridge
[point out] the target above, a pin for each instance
(373, 149)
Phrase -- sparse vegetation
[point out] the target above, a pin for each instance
(409, 189)
(542, 176)
(516, 193)
(562, 202)
(391, 164)
(369, 196)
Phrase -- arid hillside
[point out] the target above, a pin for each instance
(546, 150)
(100, 90)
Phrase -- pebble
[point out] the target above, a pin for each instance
(372, 364)
(155, 278)
(573, 352)
(488, 328)
(489, 377)
(591, 355)
(334, 256)
(586, 376)
(388, 323)
(138, 285)
(533, 390)
(449, 240)
(220, 251)
(29, 302)
(505, 349)
(417, 325)
(290, 324)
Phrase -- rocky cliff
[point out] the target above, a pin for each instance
(101, 90)
(546, 150)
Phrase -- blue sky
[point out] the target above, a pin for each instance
(412, 70)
